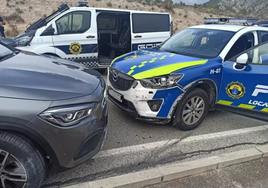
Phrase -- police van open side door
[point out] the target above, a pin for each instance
(149, 29)
(244, 87)
(76, 36)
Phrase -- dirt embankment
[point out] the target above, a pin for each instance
(20, 13)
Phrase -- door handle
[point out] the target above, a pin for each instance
(137, 36)
(90, 36)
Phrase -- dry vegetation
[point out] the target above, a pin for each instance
(19, 14)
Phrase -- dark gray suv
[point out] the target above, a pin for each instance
(52, 112)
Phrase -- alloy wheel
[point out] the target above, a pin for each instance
(12, 172)
(193, 110)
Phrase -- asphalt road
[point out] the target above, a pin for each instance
(126, 132)
(246, 175)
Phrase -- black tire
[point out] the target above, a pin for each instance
(179, 122)
(26, 157)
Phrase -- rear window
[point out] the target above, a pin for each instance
(145, 23)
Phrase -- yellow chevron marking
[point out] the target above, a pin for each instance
(246, 106)
(142, 64)
(265, 110)
(163, 57)
(153, 60)
(225, 102)
(132, 70)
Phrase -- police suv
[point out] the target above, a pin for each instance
(201, 68)
(95, 36)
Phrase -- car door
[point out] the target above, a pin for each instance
(149, 29)
(76, 36)
(244, 87)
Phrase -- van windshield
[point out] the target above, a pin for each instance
(203, 43)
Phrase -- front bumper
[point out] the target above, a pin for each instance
(130, 108)
(74, 145)
(135, 101)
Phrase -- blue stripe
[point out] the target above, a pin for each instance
(86, 48)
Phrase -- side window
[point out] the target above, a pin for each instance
(106, 23)
(74, 23)
(245, 42)
(263, 36)
(144, 23)
(259, 55)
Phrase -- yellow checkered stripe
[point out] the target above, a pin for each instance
(132, 69)
(245, 106)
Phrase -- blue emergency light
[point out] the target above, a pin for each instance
(245, 21)
(82, 4)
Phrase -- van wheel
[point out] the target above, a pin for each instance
(21, 164)
(192, 110)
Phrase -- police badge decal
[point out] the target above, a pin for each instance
(75, 48)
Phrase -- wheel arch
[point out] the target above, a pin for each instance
(209, 86)
(31, 135)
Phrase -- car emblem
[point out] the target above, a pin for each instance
(115, 76)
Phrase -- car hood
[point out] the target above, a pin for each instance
(34, 77)
(151, 62)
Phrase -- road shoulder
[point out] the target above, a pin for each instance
(176, 171)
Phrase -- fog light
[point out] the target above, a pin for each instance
(155, 105)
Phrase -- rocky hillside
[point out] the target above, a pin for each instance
(252, 8)
(20, 13)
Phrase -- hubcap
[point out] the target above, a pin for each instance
(12, 172)
(193, 110)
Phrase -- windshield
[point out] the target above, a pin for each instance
(203, 43)
(5, 52)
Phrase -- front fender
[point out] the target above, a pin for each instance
(33, 136)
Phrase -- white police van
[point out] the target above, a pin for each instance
(94, 36)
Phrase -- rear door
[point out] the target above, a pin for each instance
(76, 36)
(149, 29)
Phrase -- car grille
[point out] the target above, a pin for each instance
(120, 80)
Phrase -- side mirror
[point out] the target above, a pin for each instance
(48, 32)
(242, 59)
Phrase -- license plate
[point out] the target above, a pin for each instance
(115, 95)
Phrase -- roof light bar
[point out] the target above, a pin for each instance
(244, 21)
(82, 4)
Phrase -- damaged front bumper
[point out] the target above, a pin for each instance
(130, 108)
(153, 105)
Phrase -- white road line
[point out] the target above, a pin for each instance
(154, 145)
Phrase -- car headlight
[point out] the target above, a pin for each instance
(67, 116)
(161, 81)
(24, 41)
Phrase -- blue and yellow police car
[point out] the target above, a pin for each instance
(201, 68)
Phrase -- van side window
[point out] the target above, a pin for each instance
(106, 23)
(245, 42)
(144, 23)
(74, 23)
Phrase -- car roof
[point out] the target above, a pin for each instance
(234, 28)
